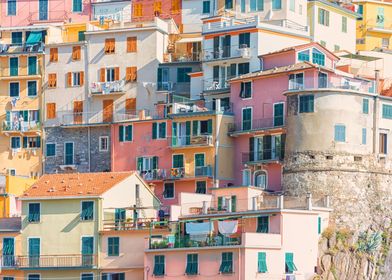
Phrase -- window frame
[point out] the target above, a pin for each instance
(81, 211)
(340, 134)
(20, 142)
(113, 249)
(39, 213)
(8, 7)
(164, 191)
(107, 143)
(9, 89)
(309, 110)
(46, 149)
(73, 7)
(28, 88)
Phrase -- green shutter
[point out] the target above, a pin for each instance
(154, 130)
(129, 133)
(174, 134)
(319, 225)
(159, 265)
(121, 133)
(24, 142)
(113, 246)
(195, 128)
(209, 126)
(139, 163)
(220, 200)
(290, 266)
(233, 203)
(155, 162)
(32, 69)
(262, 263)
(162, 130)
(188, 132)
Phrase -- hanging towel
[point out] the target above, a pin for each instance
(227, 227)
(199, 228)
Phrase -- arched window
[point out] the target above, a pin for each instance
(260, 179)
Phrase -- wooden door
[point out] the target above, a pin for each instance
(107, 110)
(78, 112)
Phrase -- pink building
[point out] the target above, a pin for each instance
(239, 233)
(23, 13)
(260, 109)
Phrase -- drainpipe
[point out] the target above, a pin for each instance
(43, 136)
(375, 110)
(216, 163)
(86, 94)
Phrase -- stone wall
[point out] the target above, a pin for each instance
(85, 148)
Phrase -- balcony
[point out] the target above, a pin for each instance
(9, 49)
(257, 125)
(140, 224)
(216, 85)
(84, 118)
(21, 126)
(203, 171)
(107, 88)
(182, 57)
(50, 261)
(191, 141)
(264, 156)
(175, 173)
(227, 52)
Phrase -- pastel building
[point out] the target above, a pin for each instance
(188, 150)
(75, 208)
(23, 13)
(21, 76)
(239, 233)
(331, 25)
(112, 10)
(374, 25)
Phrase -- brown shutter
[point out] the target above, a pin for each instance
(107, 45)
(50, 110)
(82, 78)
(131, 44)
(76, 53)
(69, 79)
(102, 73)
(78, 111)
(54, 55)
(133, 74)
(117, 73)
(130, 105)
(52, 80)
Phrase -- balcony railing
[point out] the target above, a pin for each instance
(333, 83)
(257, 124)
(188, 141)
(265, 155)
(182, 57)
(175, 173)
(21, 48)
(21, 126)
(203, 171)
(220, 84)
(50, 261)
(140, 224)
(227, 52)
(103, 88)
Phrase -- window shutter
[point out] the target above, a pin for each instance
(162, 130)
(188, 132)
(155, 162)
(131, 44)
(53, 55)
(209, 126)
(219, 203)
(154, 130)
(50, 110)
(251, 148)
(69, 79)
(117, 73)
(24, 142)
(130, 105)
(129, 133)
(76, 53)
(38, 142)
(121, 133)
(82, 78)
(195, 127)
(139, 163)
(242, 90)
(132, 73)
(102, 74)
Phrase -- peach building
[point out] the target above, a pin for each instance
(239, 233)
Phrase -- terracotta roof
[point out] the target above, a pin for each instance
(75, 184)
(279, 70)
(300, 47)
(13, 224)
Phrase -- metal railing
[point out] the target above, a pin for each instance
(103, 88)
(265, 155)
(203, 171)
(22, 126)
(226, 52)
(182, 57)
(190, 140)
(333, 83)
(21, 48)
(129, 224)
(216, 84)
(258, 124)
(50, 261)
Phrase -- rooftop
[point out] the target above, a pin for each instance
(75, 184)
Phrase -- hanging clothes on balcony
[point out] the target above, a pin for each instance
(199, 231)
(227, 227)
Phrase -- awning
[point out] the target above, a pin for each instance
(190, 40)
(34, 38)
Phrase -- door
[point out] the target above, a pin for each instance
(34, 252)
(78, 112)
(43, 10)
(119, 216)
(278, 114)
(69, 153)
(8, 252)
(267, 147)
(216, 47)
(107, 110)
(226, 46)
(87, 251)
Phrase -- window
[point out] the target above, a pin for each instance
(125, 133)
(323, 17)
(157, 8)
(34, 277)
(227, 263)
(276, 4)
(87, 276)
(168, 190)
(364, 136)
(201, 187)
(306, 103)
(138, 9)
(319, 225)
(228, 4)
(192, 265)
(31, 142)
(246, 181)
(43, 10)
(147, 163)
(11, 11)
(68, 153)
(263, 224)
(385, 43)
(261, 262)
(87, 250)
(318, 57)
(50, 111)
(103, 143)
(292, 5)
(244, 40)
(15, 142)
(113, 276)
(304, 56)
(296, 81)
(8, 278)
(246, 90)
(289, 263)
(54, 55)
(159, 265)
(246, 118)
(360, 9)
(77, 6)
(340, 133)
(132, 44)
(387, 111)
(111, 73)
(81, 36)
(50, 149)
(202, 127)
(322, 80)
(34, 212)
(182, 75)
(110, 46)
(131, 74)
(206, 7)
(178, 161)
(76, 53)
(32, 88)
(113, 246)
(380, 17)
(14, 64)
(256, 5)
(199, 164)
(344, 24)
(8, 252)
(243, 6)
(16, 38)
(87, 213)
(365, 106)
(260, 180)
(383, 143)
(243, 68)
(159, 130)
(32, 68)
(77, 79)
(52, 80)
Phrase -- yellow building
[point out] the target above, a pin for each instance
(374, 28)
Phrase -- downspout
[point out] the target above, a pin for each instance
(216, 144)
(43, 136)
(375, 109)
(86, 93)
